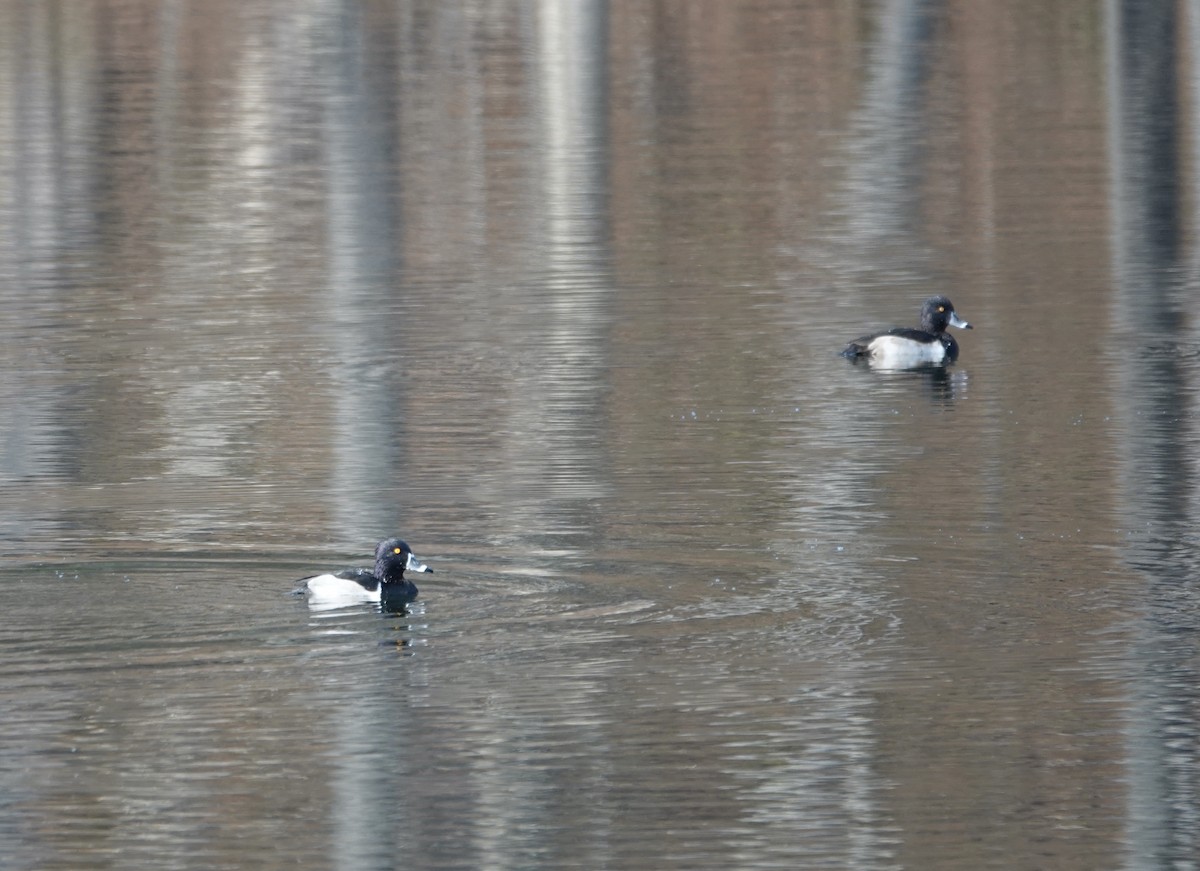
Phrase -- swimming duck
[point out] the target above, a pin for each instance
(385, 583)
(907, 348)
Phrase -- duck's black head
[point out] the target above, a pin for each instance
(392, 557)
(937, 313)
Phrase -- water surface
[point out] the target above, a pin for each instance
(556, 293)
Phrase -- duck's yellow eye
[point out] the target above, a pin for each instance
(395, 550)
(941, 308)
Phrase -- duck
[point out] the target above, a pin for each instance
(909, 348)
(385, 583)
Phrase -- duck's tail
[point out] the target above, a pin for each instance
(855, 349)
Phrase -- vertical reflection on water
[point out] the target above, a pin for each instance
(33, 193)
(879, 205)
(365, 800)
(1154, 387)
(558, 361)
(571, 74)
(44, 161)
(554, 445)
(366, 324)
(366, 327)
(551, 435)
(882, 191)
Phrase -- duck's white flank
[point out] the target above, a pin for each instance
(897, 352)
(330, 588)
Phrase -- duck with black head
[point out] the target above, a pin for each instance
(385, 583)
(909, 348)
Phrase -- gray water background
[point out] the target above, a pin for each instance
(555, 291)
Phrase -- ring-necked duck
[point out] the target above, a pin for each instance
(385, 583)
(905, 348)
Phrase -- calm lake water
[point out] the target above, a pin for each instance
(555, 291)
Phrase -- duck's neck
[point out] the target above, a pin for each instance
(950, 345)
(390, 571)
